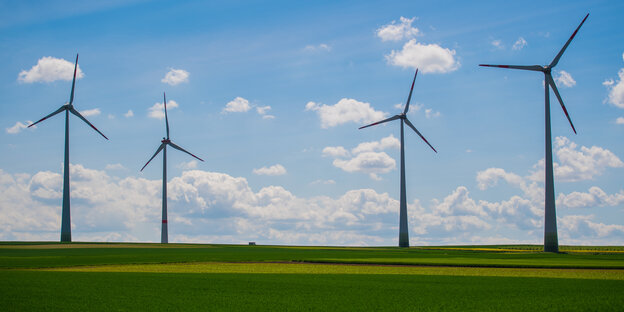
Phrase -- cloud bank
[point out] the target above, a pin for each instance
(213, 207)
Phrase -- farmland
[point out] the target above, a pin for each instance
(87, 276)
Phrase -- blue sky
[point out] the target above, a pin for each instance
(270, 95)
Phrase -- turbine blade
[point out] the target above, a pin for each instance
(75, 112)
(556, 59)
(166, 119)
(409, 98)
(551, 82)
(379, 122)
(162, 145)
(71, 97)
(523, 67)
(46, 117)
(418, 132)
(183, 150)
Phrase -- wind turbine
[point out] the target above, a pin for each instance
(403, 233)
(68, 108)
(551, 241)
(164, 236)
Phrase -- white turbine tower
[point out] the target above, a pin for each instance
(68, 108)
(403, 232)
(164, 236)
(551, 241)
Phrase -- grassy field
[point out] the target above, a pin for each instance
(52, 276)
(33, 255)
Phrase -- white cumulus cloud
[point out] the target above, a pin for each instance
(497, 44)
(489, 178)
(192, 164)
(237, 105)
(595, 197)
(158, 109)
(129, 114)
(565, 78)
(372, 163)
(459, 203)
(430, 113)
(274, 170)
(519, 44)
(175, 77)
(335, 151)
(366, 157)
(620, 121)
(326, 182)
(616, 90)
(115, 167)
(576, 164)
(375, 146)
(428, 58)
(398, 31)
(263, 109)
(320, 47)
(345, 111)
(19, 126)
(90, 112)
(584, 227)
(50, 69)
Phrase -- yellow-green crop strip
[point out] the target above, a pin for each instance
(307, 268)
(523, 249)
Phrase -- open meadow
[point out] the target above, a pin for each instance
(110, 276)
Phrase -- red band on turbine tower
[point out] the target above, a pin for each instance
(164, 221)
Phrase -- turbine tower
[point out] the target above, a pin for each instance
(164, 236)
(403, 232)
(67, 108)
(551, 241)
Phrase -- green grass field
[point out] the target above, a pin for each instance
(79, 276)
